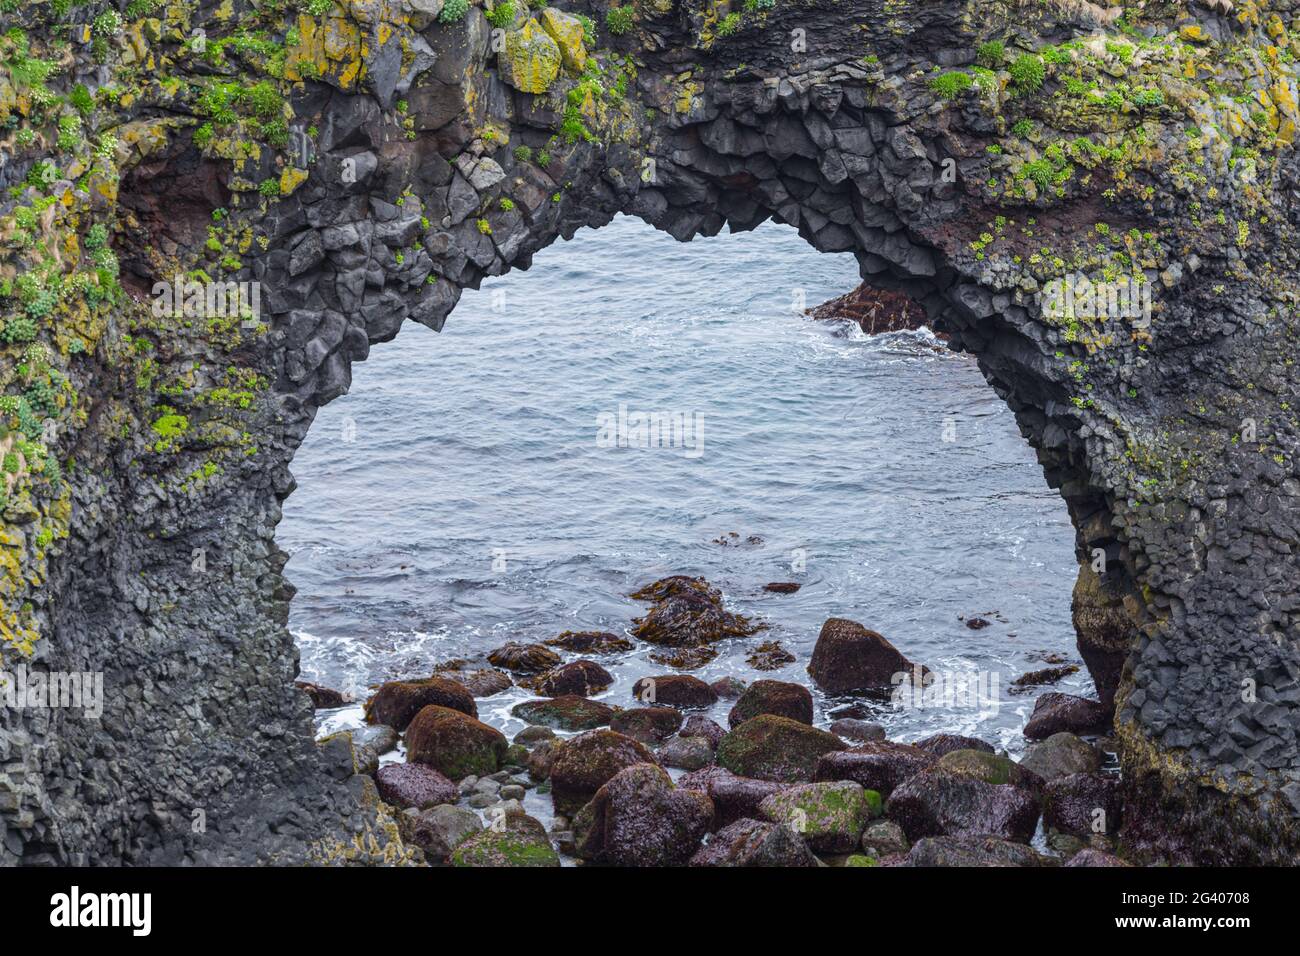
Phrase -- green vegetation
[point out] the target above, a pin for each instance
(453, 11)
(1027, 74)
(620, 20)
(949, 85)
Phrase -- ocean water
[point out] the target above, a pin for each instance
(464, 494)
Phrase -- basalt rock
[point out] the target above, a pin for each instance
(1159, 426)
(674, 690)
(1061, 755)
(322, 698)
(734, 797)
(879, 765)
(938, 803)
(773, 697)
(454, 744)
(1083, 804)
(775, 748)
(874, 309)
(755, 843)
(639, 818)
(585, 763)
(397, 702)
(849, 657)
(409, 785)
(1064, 713)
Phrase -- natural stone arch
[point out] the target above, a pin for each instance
(846, 138)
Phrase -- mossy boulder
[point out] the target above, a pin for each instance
(674, 690)
(989, 767)
(829, 816)
(531, 59)
(587, 762)
(647, 724)
(639, 818)
(566, 30)
(397, 702)
(454, 744)
(581, 678)
(568, 712)
(773, 697)
(687, 612)
(879, 765)
(515, 840)
(775, 748)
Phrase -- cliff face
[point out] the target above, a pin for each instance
(359, 164)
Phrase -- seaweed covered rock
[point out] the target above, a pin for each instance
(639, 818)
(454, 744)
(1056, 713)
(687, 612)
(697, 725)
(579, 678)
(647, 724)
(773, 697)
(516, 840)
(991, 768)
(973, 850)
(775, 748)
(849, 657)
(1061, 755)
(396, 702)
(940, 744)
(1082, 804)
(750, 842)
(587, 762)
(686, 753)
(879, 765)
(524, 658)
(829, 816)
(938, 803)
(481, 681)
(414, 785)
(674, 690)
(591, 642)
(569, 712)
(734, 797)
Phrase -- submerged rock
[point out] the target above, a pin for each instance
(879, 765)
(687, 612)
(647, 724)
(775, 748)
(397, 702)
(1061, 755)
(414, 785)
(829, 816)
(1056, 713)
(755, 843)
(773, 697)
(769, 656)
(674, 690)
(569, 712)
(587, 762)
(582, 678)
(322, 698)
(524, 658)
(639, 818)
(851, 728)
(514, 839)
(453, 743)
(782, 587)
(973, 850)
(591, 642)
(849, 657)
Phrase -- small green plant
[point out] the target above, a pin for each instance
(453, 11)
(543, 158)
(484, 227)
(620, 20)
(1027, 73)
(1022, 128)
(991, 54)
(270, 187)
(506, 204)
(502, 15)
(523, 154)
(730, 25)
(317, 8)
(949, 85)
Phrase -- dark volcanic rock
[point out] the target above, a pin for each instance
(570, 712)
(687, 612)
(1061, 755)
(936, 803)
(848, 657)
(754, 843)
(1045, 675)
(591, 642)
(674, 690)
(397, 702)
(974, 850)
(775, 748)
(524, 658)
(940, 744)
(773, 697)
(697, 725)
(1083, 804)
(879, 765)
(851, 728)
(580, 678)
(483, 682)
(639, 818)
(727, 688)
(322, 698)
(647, 724)
(733, 797)
(829, 816)
(585, 763)
(876, 310)
(686, 753)
(1091, 857)
(1065, 713)
(438, 830)
(782, 587)
(991, 768)
(453, 743)
(414, 785)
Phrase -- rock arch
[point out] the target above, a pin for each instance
(410, 165)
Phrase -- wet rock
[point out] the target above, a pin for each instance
(991, 768)
(879, 765)
(591, 642)
(874, 309)
(322, 698)
(685, 658)
(687, 612)
(587, 762)
(728, 688)
(973, 850)
(775, 748)
(1046, 675)
(940, 744)
(541, 758)
(769, 656)
(1061, 755)
(829, 816)
(1083, 804)
(378, 737)
(1104, 629)
(569, 712)
(686, 753)
(1092, 857)
(515, 840)
(859, 859)
(343, 757)
(414, 785)
(1057, 713)
(850, 728)
(439, 830)
(647, 724)
(697, 725)
(639, 818)
(938, 803)
(773, 697)
(534, 735)
(782, 587)
(582, 678)
(674, 690)
(755, 843)
(849, 657)
(733, 797)
(453, 743)
(524, 658)
(884, 838)
(397, 702)
(483, 682)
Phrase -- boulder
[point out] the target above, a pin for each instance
(687, 612)
(775, 748)
(322, 698)
(1089, 856)
(647, 724)
(697, 725)
(587, 762)
(674, 690)
(483, 682)
(1083, 804)
(566, 30)
(773, 697)
(829, 816)
(937, 803)
(531, 59)
(686, 753)
(879, 765)
(439, 830)
(973, 850)
(884, 838)
(591, 642)
(754, 843)
(849, 657)
(398, 701)
(1061, 755)
(851, 728)
(524, 658)
(940, 744)
(733, 797)
(639, 818)
(453, 743)
(991, 768)
(514, 840)
(569, 712)
(533, 735)
(1065, 713)
(414, 785)
(541, 758)
(727, 688)
(582, 678)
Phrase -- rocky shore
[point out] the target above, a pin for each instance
(652, 781)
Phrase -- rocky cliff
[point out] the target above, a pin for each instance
(334, 169)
